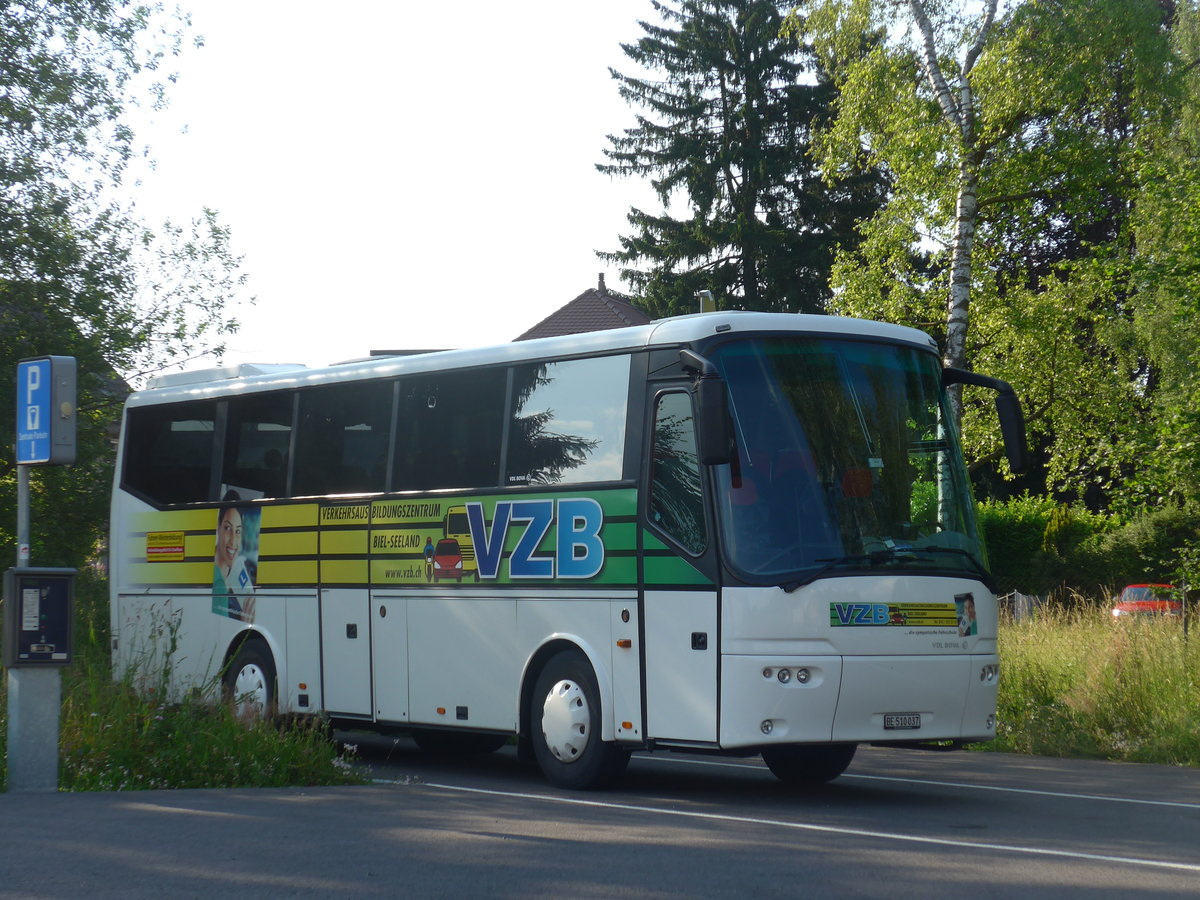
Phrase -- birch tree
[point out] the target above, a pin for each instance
(937, 96)
(957, 102)
(1012, 134)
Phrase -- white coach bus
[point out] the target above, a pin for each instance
(734, 532)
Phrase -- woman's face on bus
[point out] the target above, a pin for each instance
(229, 537)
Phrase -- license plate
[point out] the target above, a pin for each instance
(892, 721)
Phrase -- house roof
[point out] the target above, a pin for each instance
(596, 309)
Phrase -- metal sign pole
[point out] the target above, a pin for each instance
(45, 436)
(34, 694)
(22, 515)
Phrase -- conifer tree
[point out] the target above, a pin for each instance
(728, 106)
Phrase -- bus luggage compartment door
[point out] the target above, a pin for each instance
(346, 651)
(389, 644)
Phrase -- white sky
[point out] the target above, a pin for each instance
(399, 174)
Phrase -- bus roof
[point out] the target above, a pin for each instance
(680, 330)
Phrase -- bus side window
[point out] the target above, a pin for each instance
(676, 495)
(342, 439)
(169, 451)
(448, 430)
(568, 421)
(257, 445)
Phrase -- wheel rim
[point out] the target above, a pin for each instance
(250, 690)
(566, 721)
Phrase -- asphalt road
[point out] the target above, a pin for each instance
(900, 823)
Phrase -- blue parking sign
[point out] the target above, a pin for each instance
(46, 410)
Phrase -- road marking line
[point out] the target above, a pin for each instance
(828, 829)
(1013, 790)
(953, 784)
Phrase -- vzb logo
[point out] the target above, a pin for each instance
(859, 614)
(578, 550)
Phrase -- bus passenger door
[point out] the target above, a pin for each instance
(679, 601)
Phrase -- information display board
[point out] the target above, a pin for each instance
(39, 610)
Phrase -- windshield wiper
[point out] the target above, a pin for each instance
(875, 558)
(958, 551)
(881, 557)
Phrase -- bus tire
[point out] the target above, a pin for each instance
(249, 682)
(564, 717)
(810, 763)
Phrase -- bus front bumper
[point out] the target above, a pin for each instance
(878, 699)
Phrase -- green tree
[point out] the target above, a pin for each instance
(1164, 275)
(80, 275)
(1012, 141)
(728, 106)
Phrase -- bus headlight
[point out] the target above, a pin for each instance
(785, 675)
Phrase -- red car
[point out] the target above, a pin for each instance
(447, 560)
(1148, 600)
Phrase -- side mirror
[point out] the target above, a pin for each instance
(1008, 408)
(713, 432)
(1012, 427)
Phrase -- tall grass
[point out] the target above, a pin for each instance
(124, 735)
(1079, 683)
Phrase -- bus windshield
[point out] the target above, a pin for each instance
(847, 460)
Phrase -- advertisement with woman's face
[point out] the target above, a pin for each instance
(235, 562)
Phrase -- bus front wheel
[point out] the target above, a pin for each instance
(808, 764)
(565, 724)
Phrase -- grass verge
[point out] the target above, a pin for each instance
(113, 737)
(1077, 683)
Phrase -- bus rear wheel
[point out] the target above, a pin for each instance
(565, 722)
(249, 682)
(809, 764)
